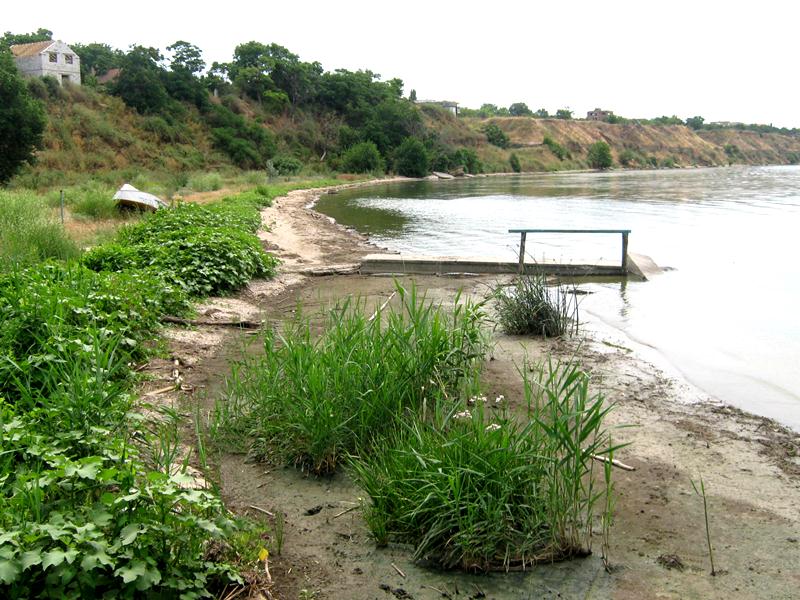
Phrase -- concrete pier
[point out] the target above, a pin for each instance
(442, 265)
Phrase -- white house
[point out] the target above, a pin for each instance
(53, 58)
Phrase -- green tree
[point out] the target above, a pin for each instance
(542, 114)
(139, 83)
(96, 60)
(496, 136)
(599, 156)
(22, 120)
(411, 158)
(564, 113)
(186, 57)
(513, 161)
(520, 109)
(695, 122)
(363, 158)
(11, 39)
(412, 96)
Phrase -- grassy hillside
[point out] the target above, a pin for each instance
(92, 135)
(635, 144)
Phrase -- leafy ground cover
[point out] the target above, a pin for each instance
(85, 509)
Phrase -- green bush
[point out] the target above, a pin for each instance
(557, 149)
(513, 161)
(363, 157)
(628, 158)
(312, 400)
(286, 165)
(599, 156)
(411, 158)
(496, 136)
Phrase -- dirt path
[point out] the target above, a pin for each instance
(750, 465)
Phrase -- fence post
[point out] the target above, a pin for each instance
(521, 269)
(624, 253)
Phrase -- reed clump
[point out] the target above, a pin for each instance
(314, 400)
(476, 489)
(532, 307)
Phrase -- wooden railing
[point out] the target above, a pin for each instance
(524, 233)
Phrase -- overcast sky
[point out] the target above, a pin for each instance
(726, 61)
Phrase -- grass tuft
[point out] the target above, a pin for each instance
(477, 490)
(533, 307)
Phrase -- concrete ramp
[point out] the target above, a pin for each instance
(442, 265)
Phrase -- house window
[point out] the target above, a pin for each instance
(53, 57)
(68, 59)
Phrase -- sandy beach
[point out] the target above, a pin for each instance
(675, 434)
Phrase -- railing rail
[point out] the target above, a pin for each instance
(524, 233)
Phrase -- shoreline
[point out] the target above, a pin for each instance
(750, 464)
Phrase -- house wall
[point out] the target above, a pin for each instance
(40, 65)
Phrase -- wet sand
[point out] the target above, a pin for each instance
(750, 465)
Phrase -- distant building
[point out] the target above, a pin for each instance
(598, 114)
(53, 58)
(446, 104)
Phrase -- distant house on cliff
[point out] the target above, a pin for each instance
(598, 114)
(54, 58)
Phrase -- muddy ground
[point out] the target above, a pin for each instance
(750, 465)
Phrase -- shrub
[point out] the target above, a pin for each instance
(473, 489)
(628, 157)
(363, 157)
(599, 156)
(557, 149)
(22, 120)
(468, 158)
(513, 161)
(286, 165)
(496, 136)
(411, 158)
(312, 400)
(531, 307)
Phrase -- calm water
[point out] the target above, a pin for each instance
(726, 316)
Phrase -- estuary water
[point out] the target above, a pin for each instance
(726, 314)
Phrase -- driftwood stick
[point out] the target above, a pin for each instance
(345, 511)
(614, 462)
(262, 510)
(399, 572)
(375, 314)
(161, 391)
(241, 324)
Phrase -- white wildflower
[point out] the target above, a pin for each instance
(493, 427)
(464, 414)
(499, 399)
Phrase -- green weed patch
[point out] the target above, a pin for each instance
(313, 400)
(204, 250)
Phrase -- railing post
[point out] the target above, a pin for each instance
(624, 252)
(522, 234)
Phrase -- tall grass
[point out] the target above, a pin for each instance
(313, 400)
(29, 232)
(476, 489)
(531, 306)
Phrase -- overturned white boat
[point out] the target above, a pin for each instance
(129, 196)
